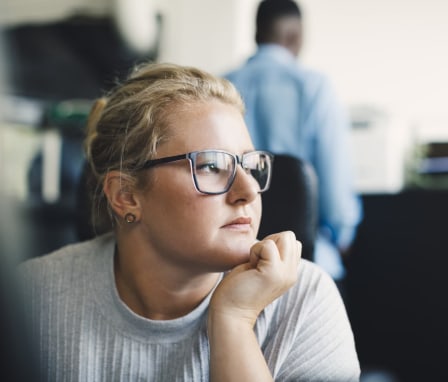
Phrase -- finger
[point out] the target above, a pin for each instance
(299, 249)
(290, 250)
(298, 254)
(265, 251)
(286, 244)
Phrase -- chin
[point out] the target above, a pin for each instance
(231, 250)
(232, 263)
(239, 253)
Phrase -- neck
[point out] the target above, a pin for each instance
(156, 290)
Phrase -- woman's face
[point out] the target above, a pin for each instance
(189, 229)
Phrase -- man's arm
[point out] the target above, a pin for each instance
(340, 206)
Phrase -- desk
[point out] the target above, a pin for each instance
(397, 284)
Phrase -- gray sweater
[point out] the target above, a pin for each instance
(86, 333)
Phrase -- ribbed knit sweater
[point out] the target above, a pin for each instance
(85, 332)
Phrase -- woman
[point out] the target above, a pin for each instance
(182, 291)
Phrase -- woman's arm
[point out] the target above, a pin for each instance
(235, 354)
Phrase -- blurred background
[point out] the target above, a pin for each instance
(388, 61)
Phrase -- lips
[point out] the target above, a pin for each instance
(242, 221)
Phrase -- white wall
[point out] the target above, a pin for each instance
(390, 53)
(197, 32)
(386, 55)
(212, 34)
(385, 52)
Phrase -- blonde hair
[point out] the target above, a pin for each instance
(125, 128)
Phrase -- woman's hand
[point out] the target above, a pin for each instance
(250, 287)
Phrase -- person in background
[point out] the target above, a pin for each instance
(180, 289)
(293, 110)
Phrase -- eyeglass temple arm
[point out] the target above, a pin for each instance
(154, 162)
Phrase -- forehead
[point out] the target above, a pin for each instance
(206, 125)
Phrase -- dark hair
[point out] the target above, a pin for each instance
(268, 12)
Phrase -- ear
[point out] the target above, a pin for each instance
(121, 195)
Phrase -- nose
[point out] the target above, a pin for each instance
(244, 188)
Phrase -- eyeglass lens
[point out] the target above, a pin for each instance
(214, 171)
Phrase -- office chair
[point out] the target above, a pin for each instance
(291, 202)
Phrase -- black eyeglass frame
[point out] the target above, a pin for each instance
(191, 156)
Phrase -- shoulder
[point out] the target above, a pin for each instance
(313, 287)
(309, 330)
(314, 81)
(72, 259)
(313, 301)
(314, 276)
(267, 73)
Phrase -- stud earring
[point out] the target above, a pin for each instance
(129, 218)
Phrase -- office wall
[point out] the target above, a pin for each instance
(211, 34)
(386, 58)
(389, 53)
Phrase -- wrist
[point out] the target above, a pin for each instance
(231, 320)
(235, 353)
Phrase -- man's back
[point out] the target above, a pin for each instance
(270, 82)
(292, 110)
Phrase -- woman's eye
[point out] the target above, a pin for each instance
(248, 170)
(208, 168)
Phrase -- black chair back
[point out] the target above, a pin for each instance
(291, 202)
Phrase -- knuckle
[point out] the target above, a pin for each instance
(290, 234)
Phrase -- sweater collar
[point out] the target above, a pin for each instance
(122, 317)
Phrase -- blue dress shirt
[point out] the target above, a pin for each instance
(293, 110)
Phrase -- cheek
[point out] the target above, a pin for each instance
(199, 213)
(181, 210)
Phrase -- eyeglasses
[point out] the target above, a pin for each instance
(214, 171)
